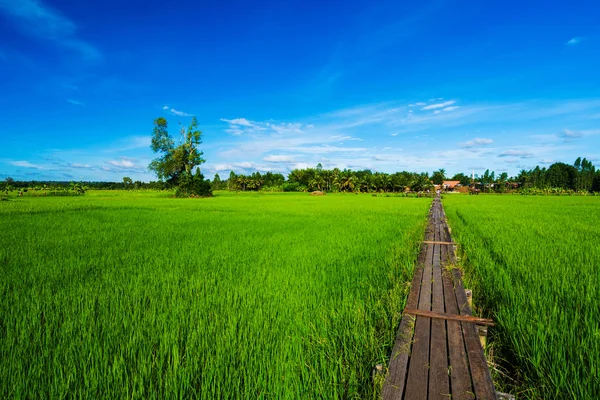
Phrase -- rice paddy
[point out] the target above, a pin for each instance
(138, 295)
(534, 265)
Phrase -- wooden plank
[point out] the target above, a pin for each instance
(450, 317)
(480, 373)
(439, 387)
(395, 381)
(460, 377)
(418, 368)
(436, 242)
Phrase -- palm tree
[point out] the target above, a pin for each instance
(348, 181)
(317, 183)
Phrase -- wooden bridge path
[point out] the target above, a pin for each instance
(438, 356)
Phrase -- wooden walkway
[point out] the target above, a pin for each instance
(441, 357)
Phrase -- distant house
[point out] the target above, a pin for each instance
(450, 185)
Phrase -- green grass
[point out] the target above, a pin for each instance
(534, 265)
(138, 295)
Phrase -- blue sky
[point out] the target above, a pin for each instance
(278, 85)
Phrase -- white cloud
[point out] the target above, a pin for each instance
(516, 153)
(124, 163)
(574, 41)
(569, 135)
(278, 159)
(180, 113)
(240, 126)
(284, 128)
(547, 161)
(36, 18)
(238, 121)
(476, 142)
(177, 112)
(439, 105)
(235, 131)
(451, 108)
(437, 112)
(76, 102)
(26, 164)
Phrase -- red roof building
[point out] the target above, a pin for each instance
(450, 185)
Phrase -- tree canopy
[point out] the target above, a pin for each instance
(176, 162)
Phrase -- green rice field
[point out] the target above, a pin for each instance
(534, 265)
(139, 295)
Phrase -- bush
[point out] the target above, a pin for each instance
(293, 187)
(193, 186)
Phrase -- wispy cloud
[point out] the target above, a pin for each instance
(569, 135)
(574, 41)
(238, 121)
(83, 166)
(516, 153)
(243, 126)
(547, 161)
(278, 159)
(439, 105)
(451, 108)
(35, 18)
(476, 142)
(177, 112)
(76, 102)
(26, 164)
(123, 163)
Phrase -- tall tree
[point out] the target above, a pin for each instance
(127, 182)
(464, 179)
(175, 163)
(175, 160)
(439, 176)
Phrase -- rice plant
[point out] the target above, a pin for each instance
(534, 265)
(138, 295)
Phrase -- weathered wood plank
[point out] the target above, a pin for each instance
(395, 381)
(480, 373)
(436, 242)
(460, 377)
(449, 317)
(438, 375)
(418, 368)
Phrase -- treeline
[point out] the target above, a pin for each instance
(37, 189)
(11, 184)
(312, 179)
(582, 176)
